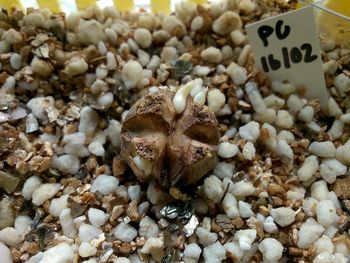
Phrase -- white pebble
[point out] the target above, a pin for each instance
(89, 120)
(212, 55)
(234, 249)
(227, 22)
(271, 249)
(245, 209)
(309, 232)
(330, 169)
(229, 204)
(131, 73)
(284, 120)
(283, 88)
(308, 169)
(96, 148)
(148, 228)
(89, 232)
(134, 192)
(44, 192)
(319, 190)
(76, 66)
(324, 244)
(16, 61)
(104, 184)
(283, 216)
(111, 61)
(197, 23)
(30, 185)
(216, 99)
(326, 213)
(154, 194)
(342, 83)
(57, 205)
(113, 132)
(248, 151)
(143, 37)
(5, 254)
(68, 164)
(322, 149)
(223, 170)
(342, 154)
(227, 150)
(23, 224)
(125, 232)
(192, 253)
(10, 236)
(206, 237)
(295, 104)
(97, 217)
(62, 253)
(201, 70)
(105, 100)
(250, 131)
(237, 73)
(269, 225)
(245, 238)
(306, 114)
(122, 260)
(274, 102)
(243, 189)
(336, 131)
(237, 37)
(12, 36)
(333, 108)
(67, 223)
(213, 188)
(285, 152)
(154, 246)
(214, 253)
(87, 250)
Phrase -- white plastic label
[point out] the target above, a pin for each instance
(286, 47)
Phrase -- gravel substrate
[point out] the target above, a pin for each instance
(83, 177)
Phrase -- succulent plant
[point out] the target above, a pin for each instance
(170, 138)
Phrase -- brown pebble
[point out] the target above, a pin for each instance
(341, 188)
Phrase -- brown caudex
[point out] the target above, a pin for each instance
(170, 148)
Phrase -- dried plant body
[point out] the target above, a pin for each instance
(170, 148)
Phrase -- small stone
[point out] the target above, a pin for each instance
(143, 37)
(245, 209)
(342, 84)
(23, 224)
(41, 67)
(322, 149)
(242, 189)
(270, 226)
(97, 217)
(134, 192)
(12, 36)
(271, 249)
(125, 232)
(213, 188)
(326, 213)
(154, 246)
(154, 194)
(216, 100)
(237, 37)
(229, 204)
(197, 23)
(96, 148)
(131, 73)
(192, 253)
(237, 73)
(89, 232)
(283, 216)
(57, 205)
(250, 131)
(89, 120)
(61, 253)
(306, 114)
(227, 150)
(148, 228)
(227, 22)
(206, 237)
(212, 55)
(224, 170)
(284, 120)
(105, 184)
(16, 61)
(122, 260)
(245, 238)
(68, 164)
(5, 254)
(330, 169)
(319, 190)
(87, 250)
(67, 223)
(90, 31)
(44, 192)
(10, 236)
(308, 169)
(248, 151)
(214, 253)
(324, 244)
(309, 232)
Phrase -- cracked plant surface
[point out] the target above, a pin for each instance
(168, 145)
